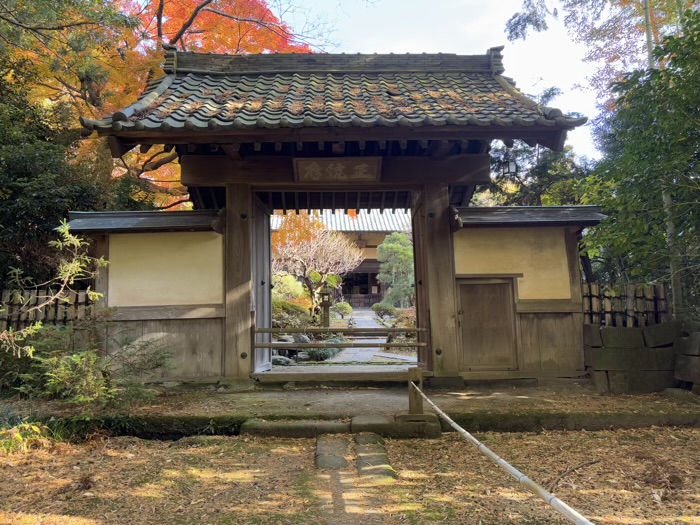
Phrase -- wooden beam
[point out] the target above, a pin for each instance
(553, 135)
(217, 170)
(156, 313)
(438, 149)
(238, 351)
(118, 148)
(437, 258)
(233, 151)
(467, 195)
(548, 306)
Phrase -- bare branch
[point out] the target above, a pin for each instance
(173, 204)
(188, 23)
(277, 29)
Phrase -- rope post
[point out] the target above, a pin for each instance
(415, 401)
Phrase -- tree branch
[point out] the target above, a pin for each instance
(173, 204)
(277, 29)
(188, 23)
(159, 20)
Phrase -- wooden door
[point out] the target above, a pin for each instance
(262, 276)
(488, 325)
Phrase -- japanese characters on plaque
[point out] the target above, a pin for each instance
(340, 170)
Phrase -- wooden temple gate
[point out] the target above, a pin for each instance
(260, 133)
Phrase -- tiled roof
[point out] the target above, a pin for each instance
(207, 93)
(510, 216)
(362, 221)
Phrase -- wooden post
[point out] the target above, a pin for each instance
(238, 245)
(587, 313)
(629, 305)
(438, 250)
(607, 308)
(595, 304)
(618, 309)
(415, 401)
(661, 303)
(649, 300)
(639, 305)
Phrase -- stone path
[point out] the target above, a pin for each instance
(364, 318)
(358, 355)
(351, 489)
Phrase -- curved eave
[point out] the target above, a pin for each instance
(551, 136)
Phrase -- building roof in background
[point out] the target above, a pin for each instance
(513, 216)
(208, 93)
(363, 221)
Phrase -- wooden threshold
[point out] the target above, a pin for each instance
(340, 373)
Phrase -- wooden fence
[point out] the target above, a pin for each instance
(18, 314)
(631, 305)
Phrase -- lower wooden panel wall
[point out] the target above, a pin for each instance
(195, 345)
(551, 342)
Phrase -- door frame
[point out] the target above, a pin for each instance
(512, 281)
(262, 285)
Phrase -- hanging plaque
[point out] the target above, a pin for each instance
(340, 170)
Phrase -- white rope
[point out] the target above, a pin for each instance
(549, 498)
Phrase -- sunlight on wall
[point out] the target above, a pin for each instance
(537, 253)
(160, 269)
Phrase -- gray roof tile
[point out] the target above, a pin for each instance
(204, 92)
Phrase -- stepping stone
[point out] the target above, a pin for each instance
(372, 458)
(330, 452)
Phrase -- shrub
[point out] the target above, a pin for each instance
(383, 310)
(69, 363)
(286, 287)
(321, 354)
(23, 437)
(343, 309)
(405, 319)
(289, 315)
(76, 377)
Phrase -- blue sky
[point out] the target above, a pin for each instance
(466, 27)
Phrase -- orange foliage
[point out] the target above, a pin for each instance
(296, 229)
(99, 78)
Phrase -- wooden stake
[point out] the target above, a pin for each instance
(415, 400)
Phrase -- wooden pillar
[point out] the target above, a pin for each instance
(572, 255)
(238, 282)
(439, 273)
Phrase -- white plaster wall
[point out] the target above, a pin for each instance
(163, 269)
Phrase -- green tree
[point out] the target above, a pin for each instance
(526, 176)
(40, 179)
(651, 143)
(395, 256)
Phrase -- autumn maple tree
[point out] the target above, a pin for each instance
(304, 248)
(97, 57)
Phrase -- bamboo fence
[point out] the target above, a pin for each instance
(16, 313)
(631, 305)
